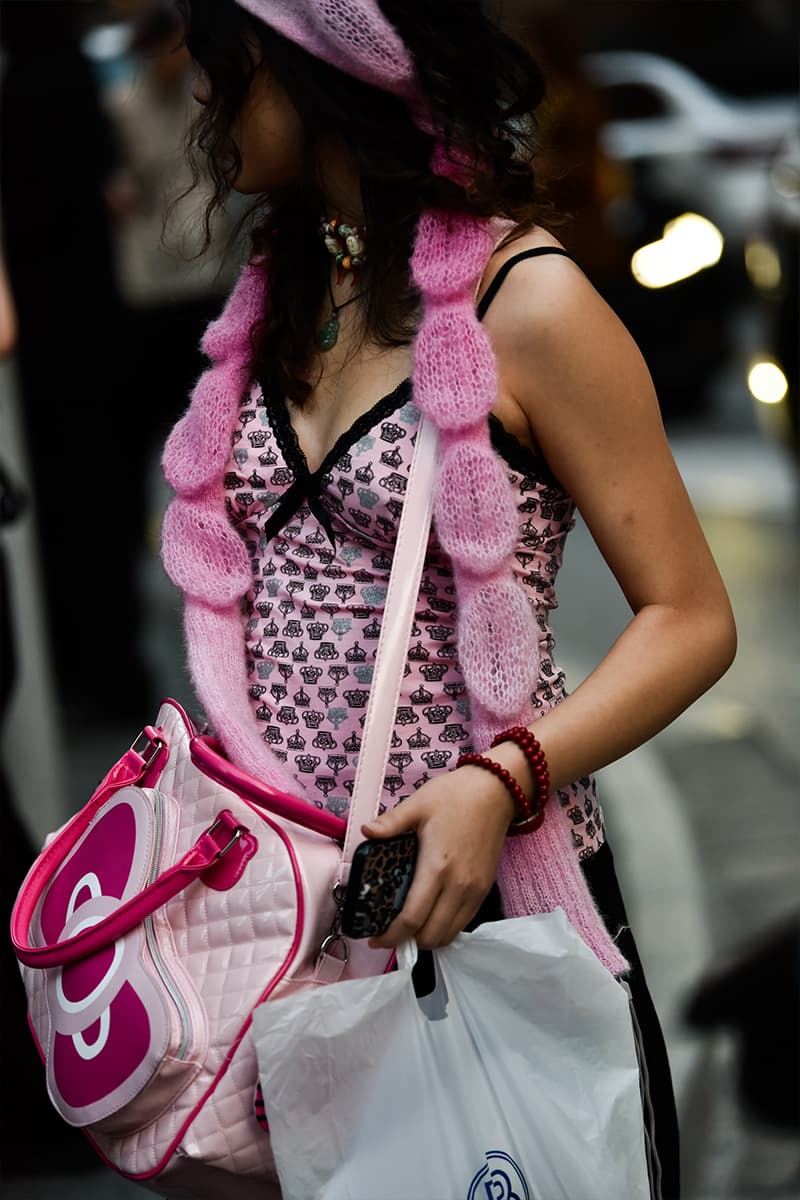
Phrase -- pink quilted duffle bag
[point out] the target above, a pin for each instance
(183, 895)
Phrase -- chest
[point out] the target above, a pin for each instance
(344, 392)
(348, 384)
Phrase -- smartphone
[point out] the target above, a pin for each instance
(380, 877)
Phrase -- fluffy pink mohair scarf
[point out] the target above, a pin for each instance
(455, 385)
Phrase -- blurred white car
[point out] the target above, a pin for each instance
(784, 178)
(690, 145)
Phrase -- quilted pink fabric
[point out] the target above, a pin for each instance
(212, 1123)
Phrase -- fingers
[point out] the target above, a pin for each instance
(432, 917)
(400, 819)
(444, 924)
(422, 896)
(457, 862)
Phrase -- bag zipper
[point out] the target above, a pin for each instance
(150, 935)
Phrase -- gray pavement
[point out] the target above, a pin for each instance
(703, 819)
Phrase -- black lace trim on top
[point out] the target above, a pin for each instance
(519, 456)
(308, 485)
(285, 435)
(289, 443)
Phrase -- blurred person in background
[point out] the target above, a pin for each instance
(23, 1089)
(59, 182)
(755, 994)
(171, 288)
(8, 314)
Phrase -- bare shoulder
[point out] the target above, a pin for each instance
(540, 295)
(533, 239)
(557, 342)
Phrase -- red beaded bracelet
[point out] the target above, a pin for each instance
(531, 748)
(524, 822)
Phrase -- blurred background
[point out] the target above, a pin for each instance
(671, 140)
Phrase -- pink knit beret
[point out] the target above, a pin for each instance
(352, 35)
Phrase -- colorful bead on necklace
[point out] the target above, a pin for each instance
(345, 243)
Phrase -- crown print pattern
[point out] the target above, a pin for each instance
(321, 548)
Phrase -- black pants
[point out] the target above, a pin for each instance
(661, 1121)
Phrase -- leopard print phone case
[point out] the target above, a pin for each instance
(380, 877)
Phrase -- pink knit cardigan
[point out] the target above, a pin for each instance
(455, 385)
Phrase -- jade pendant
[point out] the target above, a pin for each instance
(328, 336)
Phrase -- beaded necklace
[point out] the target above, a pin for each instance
(345, 243)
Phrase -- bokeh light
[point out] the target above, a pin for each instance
(690, 243)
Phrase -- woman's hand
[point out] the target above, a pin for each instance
(461, 819)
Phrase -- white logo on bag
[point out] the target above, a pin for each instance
(89, 1050)
(500, 1179)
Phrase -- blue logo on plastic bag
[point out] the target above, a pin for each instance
(500, 1179)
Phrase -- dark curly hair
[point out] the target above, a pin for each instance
(482, 88)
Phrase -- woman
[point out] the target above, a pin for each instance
(410, 124)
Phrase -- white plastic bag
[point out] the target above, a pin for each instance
(516, 1079)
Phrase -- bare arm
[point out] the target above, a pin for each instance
(580, 380)
(588, 397)
(8, 316)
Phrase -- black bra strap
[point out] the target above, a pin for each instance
(494, 286)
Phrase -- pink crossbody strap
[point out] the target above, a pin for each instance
(390, 661)
(210, 847)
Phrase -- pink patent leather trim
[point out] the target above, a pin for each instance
(130, 770)
(273, 983)
(127, 772)
(228, 870)
(187, 720)
(207, 757)
(204, 854)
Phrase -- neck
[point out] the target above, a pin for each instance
(340, 183)
(340, 196)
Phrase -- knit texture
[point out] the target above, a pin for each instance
(474, 515)
(352, 35)
(202, 554)
(455, 385)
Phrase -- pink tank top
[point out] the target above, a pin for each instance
(321, 547)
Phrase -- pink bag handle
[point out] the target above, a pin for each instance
(212, 844)
(136, 769)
